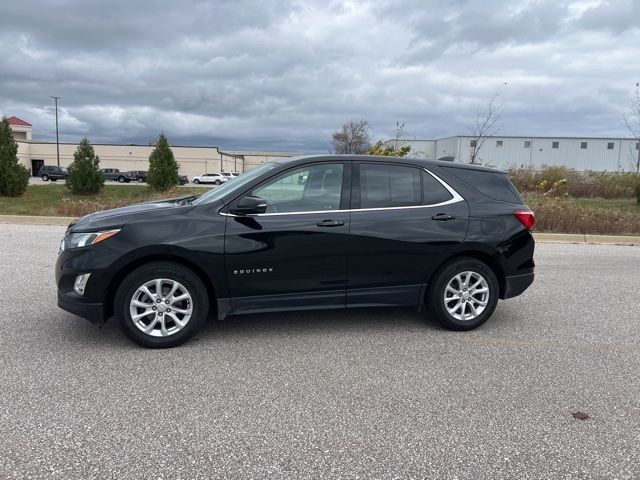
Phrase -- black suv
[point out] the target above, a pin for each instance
(304, 233)
(53, 173)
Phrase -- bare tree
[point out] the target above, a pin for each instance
(391, 148)
(353, 137)
(397, 135)
(632, 122)
(485, 125)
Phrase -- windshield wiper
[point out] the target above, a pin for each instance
(187, 200)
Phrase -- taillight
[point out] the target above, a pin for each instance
(526, 218)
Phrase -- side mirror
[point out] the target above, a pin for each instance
(249, 205)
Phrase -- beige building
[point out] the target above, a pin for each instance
(192, 160)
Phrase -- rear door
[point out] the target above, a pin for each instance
(404, 220)
(294, 255)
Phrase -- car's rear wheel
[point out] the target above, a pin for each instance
(217, 182)
(45, 178)
(161, 305)
(140, 180)
(196, 181)
(463, 294)
(121, 179)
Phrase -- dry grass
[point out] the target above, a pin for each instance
(77, 207)
(588, 216)
(558, 181)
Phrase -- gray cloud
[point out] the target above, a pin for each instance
(285, 74)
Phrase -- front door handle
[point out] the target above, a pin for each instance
(443, 217)
(330, 223)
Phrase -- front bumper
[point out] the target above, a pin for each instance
(94, 312)
(516, 284)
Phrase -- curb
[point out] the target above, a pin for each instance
(35, 220)
(539, 237)
(590, 239)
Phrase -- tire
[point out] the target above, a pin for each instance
(470, 271)
(121, 179)
(45, 178)
(196, 181)
(140, 180)
(173, 334)
(54, 179)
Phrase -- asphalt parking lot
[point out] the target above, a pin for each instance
(342, 394)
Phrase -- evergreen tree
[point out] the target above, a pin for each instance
(163, 168)
(85, 176)
(14, 178)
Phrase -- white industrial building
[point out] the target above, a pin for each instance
(193, 160)
(579, 153)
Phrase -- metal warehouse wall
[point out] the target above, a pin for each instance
(506, 152)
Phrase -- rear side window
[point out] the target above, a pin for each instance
(433, 191)
(494, 185)
(383, 186)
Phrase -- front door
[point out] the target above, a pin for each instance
(404, 221)
(294, 255)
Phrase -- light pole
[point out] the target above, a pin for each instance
(57, 140)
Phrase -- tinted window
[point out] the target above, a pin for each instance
(494, 185)
(433, 191)
(305, 189)
(389, 186)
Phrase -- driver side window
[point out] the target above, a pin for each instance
(305, 189)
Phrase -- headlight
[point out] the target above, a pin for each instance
(77, 240)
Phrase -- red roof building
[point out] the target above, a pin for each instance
(18, 122)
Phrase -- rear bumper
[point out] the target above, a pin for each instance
(516, 284)
(94, 312)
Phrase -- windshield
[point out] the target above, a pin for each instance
(238, 184)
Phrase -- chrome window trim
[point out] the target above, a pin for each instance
(456, 197)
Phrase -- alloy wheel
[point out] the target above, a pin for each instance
(466, 295)
(161, 307)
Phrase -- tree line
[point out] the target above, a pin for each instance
(85, 177)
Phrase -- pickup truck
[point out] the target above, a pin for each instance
(115, 175)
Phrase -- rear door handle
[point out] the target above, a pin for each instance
(330, 223)
(443, 217)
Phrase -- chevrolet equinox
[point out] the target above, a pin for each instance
(313, 232)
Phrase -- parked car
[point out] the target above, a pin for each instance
(53, 173)
(115, 175)
(215, 178)
(183, 179)
(230, 175)
(139, 176)
(443, 237)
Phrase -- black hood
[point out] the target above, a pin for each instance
(117, 217)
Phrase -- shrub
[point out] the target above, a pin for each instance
(14, 178)
(163, 168)
(85, 177)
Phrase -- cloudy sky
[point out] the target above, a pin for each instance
(282, 75)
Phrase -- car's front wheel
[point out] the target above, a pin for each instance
(121, 179)
(463, 294)
(217, 182)
(161, 305)
(196, 181)
(140, 180)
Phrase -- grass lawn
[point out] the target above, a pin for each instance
(57, 200)
(561, 215)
